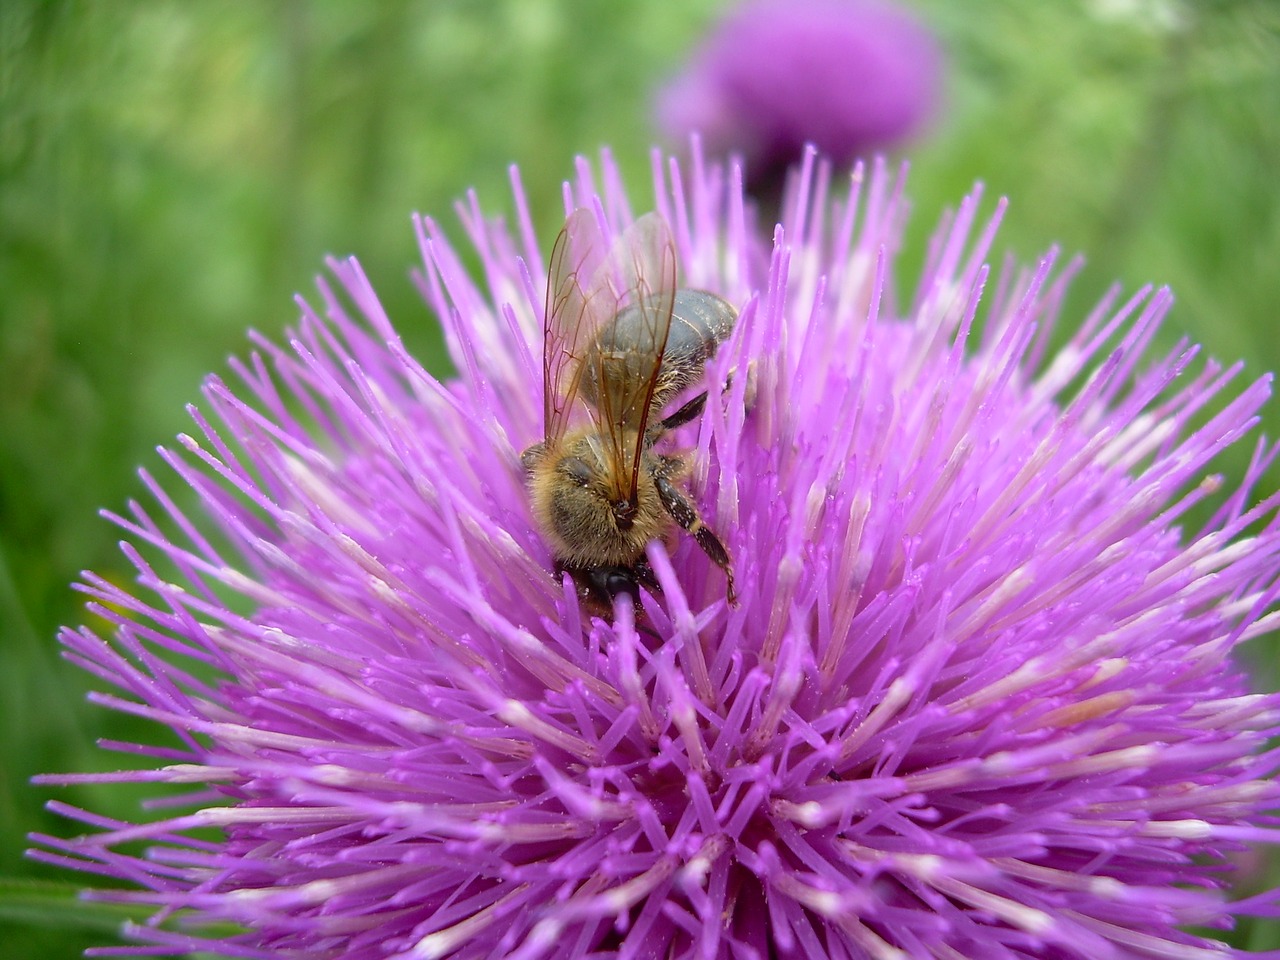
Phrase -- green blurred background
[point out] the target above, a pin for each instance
(172, 172)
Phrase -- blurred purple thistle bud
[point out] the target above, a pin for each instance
(849, 77)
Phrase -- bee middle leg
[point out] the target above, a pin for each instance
(684, 512)
(688, 412)
(692, 409)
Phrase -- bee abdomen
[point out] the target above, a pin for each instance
(700, 322)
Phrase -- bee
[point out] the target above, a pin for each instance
(620, 342)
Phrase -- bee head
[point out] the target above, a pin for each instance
(585, 510)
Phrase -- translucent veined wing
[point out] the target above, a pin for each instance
(572, 318)
(623, 360)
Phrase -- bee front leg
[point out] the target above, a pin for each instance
(686, 514)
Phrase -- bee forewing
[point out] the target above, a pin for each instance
(640, 277)
(574, 314)
(641, 262)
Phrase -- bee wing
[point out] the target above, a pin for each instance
(624, 361)
(574, 313)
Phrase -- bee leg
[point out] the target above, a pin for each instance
(693, 409)
(686, 514)
(689, 411)
(749, 392)
(642, 573)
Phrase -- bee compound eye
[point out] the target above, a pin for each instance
(576, 470)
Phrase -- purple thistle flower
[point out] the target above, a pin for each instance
(977, 699)
(848, 76)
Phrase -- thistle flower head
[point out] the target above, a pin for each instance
(848, 76)
(977, 698)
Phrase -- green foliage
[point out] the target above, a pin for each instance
(171, 172)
